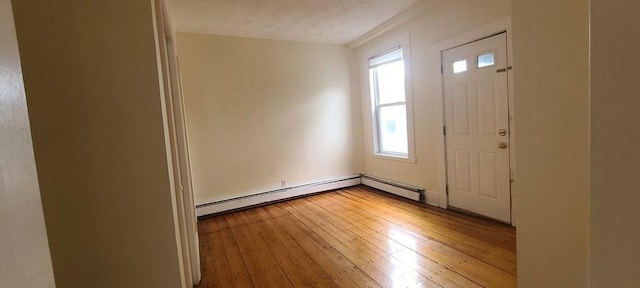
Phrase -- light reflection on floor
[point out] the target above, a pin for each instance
(404, 260)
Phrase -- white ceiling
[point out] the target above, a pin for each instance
(321, 21)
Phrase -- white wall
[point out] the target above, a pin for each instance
(551, 81)
(615, 158)
(434, 22)
(259, 111)
(24, 260)
(94, 96)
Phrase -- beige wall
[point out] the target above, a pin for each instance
(615, 158)
(24, 260)
(436, 21)
(94, 98)
(551, 81)
(260, 111)
(356, 112)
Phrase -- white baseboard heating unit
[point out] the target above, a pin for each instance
(393, 187)
(275, 195)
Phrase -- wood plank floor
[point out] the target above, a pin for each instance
(355, 237)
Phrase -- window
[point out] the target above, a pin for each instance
(460, 66)
(389, 101)
(486, 60)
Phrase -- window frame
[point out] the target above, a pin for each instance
(380, 50)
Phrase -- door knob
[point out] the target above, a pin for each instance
(502, 132)
(502, 145)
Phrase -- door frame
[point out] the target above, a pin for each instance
(177, 144)
(490, 29)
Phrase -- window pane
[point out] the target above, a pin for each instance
(460, 66)
(393, 129)
(390, 82)
(486, 60)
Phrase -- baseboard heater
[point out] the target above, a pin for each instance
(227, 205)
(393, 187)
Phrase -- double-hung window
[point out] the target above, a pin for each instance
(389, 103)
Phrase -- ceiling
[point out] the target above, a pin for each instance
(319, 21)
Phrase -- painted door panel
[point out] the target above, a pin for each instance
(476, 112)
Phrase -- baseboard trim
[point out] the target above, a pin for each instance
(385, 185)
(393, 187)
(212, 208)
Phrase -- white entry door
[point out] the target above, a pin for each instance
(477, 127)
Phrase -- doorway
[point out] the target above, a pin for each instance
(476, 112)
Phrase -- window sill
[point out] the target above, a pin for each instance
(395, 158)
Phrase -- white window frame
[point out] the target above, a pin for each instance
(402, 43)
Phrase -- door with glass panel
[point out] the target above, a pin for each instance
(477, 127)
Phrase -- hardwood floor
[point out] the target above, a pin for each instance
(355, 237)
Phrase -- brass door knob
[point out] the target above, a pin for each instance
(502, 145)
(502, 132)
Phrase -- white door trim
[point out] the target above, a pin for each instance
(177, 147)
(502, 25)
